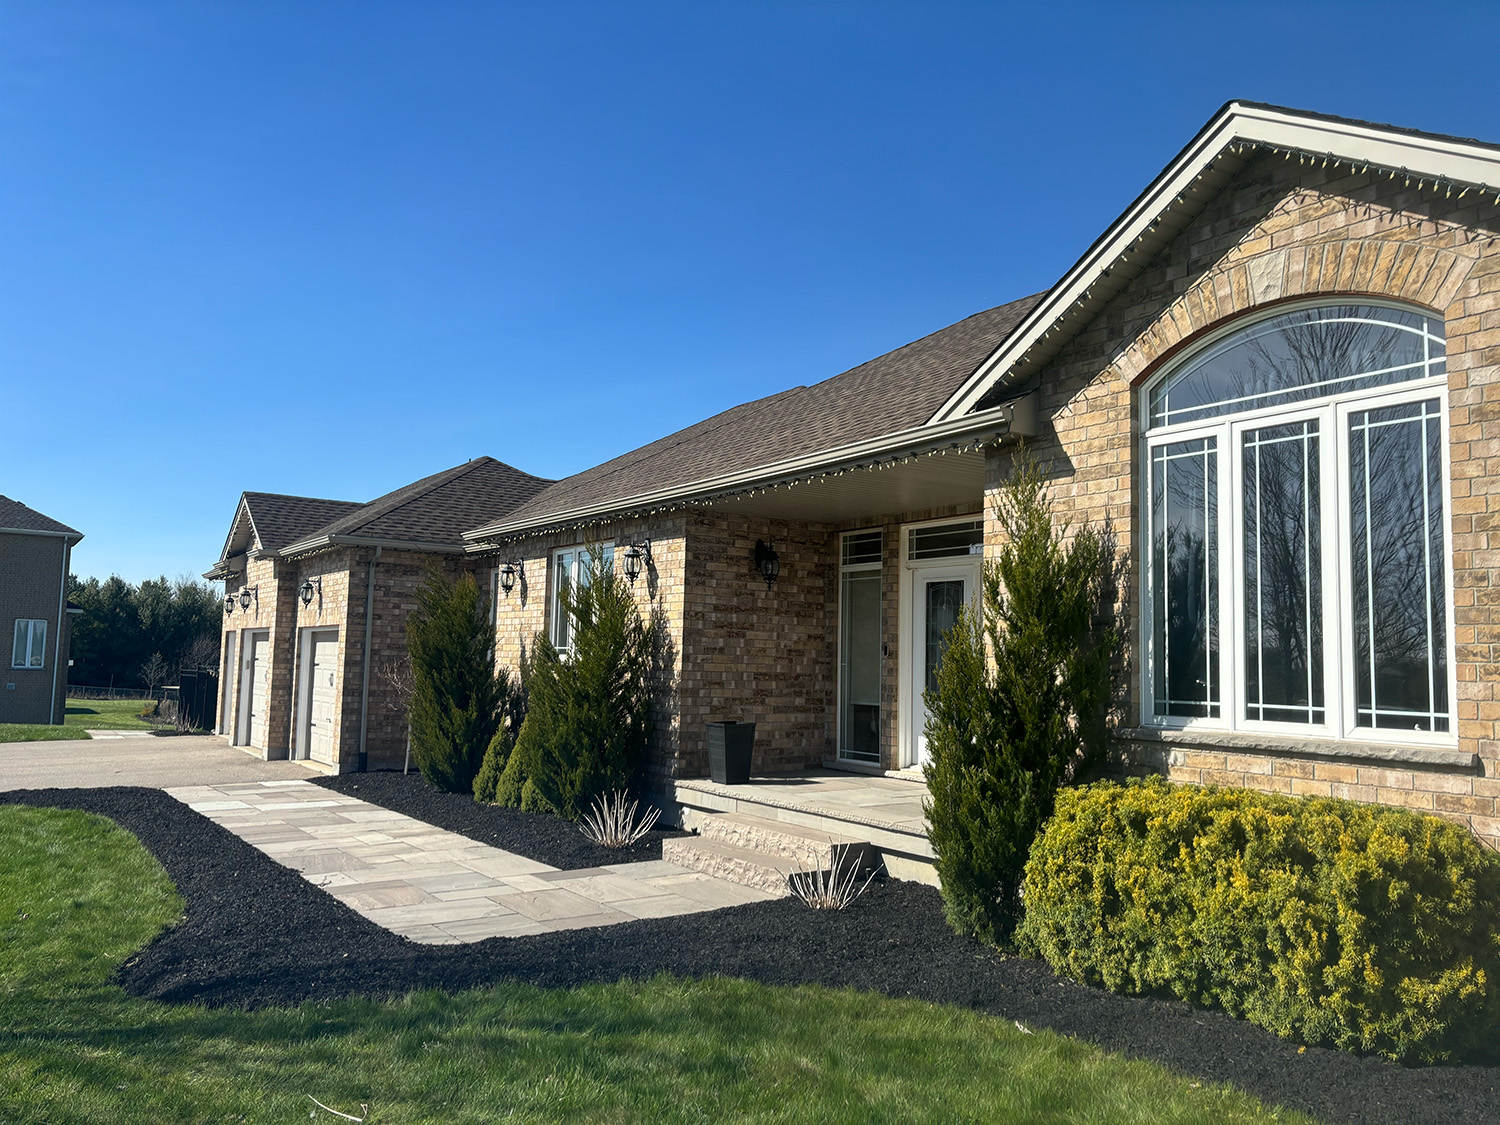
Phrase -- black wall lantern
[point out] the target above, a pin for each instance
(508, 574)
(228, 604)
(309, 588)
(635, 555)
(767, 561)
(248, 592)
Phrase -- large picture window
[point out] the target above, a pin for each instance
(1297, 575)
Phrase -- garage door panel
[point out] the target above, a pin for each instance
(323, 698)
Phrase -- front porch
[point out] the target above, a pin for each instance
(777, 822)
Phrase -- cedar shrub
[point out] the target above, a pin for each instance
(457, 697)
(1004, 733)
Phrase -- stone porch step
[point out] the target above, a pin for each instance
(744, 866)
(804, 846)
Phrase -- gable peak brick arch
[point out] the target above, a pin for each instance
(1353, 268)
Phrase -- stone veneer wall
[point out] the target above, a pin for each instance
(1280, 231)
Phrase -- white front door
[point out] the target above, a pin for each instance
(323, 696)
(255, 687)
(938, 593)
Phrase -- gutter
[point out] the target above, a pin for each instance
(73, 535)
(1016, 417)
(364, 687)
(324, 541)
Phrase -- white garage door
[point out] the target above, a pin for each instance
(324, 696)
(259, 672)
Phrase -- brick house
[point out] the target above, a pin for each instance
(313, 585)
(1276, 374)
(35, 553)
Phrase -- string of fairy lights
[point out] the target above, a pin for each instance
(497, 544)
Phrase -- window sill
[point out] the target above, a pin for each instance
(1422, 757)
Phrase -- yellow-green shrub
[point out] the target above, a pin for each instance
(1323, 920)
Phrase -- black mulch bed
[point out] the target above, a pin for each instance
(544, 838)
(256, 933)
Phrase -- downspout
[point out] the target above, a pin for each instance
(62, 590)
(364, 687)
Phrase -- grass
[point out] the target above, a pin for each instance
(78, 894)
(82, 715)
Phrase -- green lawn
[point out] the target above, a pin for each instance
(82, 716)
(78, 894)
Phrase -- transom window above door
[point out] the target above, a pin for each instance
(1297, 575)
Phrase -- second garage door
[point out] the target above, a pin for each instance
(323, 697)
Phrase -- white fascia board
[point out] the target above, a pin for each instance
(995, 422)
(323, 541)
(1422, 155)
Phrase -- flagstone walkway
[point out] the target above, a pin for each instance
(437, 887)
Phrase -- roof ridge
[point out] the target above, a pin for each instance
(292, 496)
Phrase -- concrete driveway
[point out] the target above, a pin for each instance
(135, 760)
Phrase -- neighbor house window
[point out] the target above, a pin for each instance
(30, 644)
(573, 568)
(1296, 530)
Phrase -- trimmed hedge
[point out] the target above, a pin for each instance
(1324, 921)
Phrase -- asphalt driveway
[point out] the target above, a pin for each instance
(145, 760)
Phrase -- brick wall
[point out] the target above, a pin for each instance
(31, 572)
(1277, 232)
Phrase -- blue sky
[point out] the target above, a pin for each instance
(327, 248)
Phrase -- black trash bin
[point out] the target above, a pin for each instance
(729, 748)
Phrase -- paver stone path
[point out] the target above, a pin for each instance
(434, 886)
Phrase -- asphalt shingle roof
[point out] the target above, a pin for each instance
(280, 520)
(438, 508)
(893, 392)
(14, 514)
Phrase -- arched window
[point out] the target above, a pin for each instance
(1297, 574)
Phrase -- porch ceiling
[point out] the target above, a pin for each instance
(927, 482)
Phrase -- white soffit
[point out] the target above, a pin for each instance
(1166, 206)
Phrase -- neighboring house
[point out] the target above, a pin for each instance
(35, 552)
(1276, 375)
(312, 586)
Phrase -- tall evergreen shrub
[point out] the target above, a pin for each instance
(457, 698)
(1006, 732)
(588, 716)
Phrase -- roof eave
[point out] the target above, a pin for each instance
(75, 536)
(1180, 189)
(326, 542)
(1013, 417)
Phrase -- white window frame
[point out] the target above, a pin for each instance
(579, 554)
(1340, 715)
(35, 646)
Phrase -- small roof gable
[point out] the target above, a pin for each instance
(435, 510)
(891, 393)
(16, 516)
(278, 520)
(1232, 137)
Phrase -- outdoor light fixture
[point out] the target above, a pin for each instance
(634, 554)
(767, 561)
(248, 592)
(508, 574)
(228, 604)
(310, 587)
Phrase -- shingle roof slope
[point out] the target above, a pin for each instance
(280, 520)
(438, 508)
(15, 514)
(896, 391)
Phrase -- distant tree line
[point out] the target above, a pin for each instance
(141, 636)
